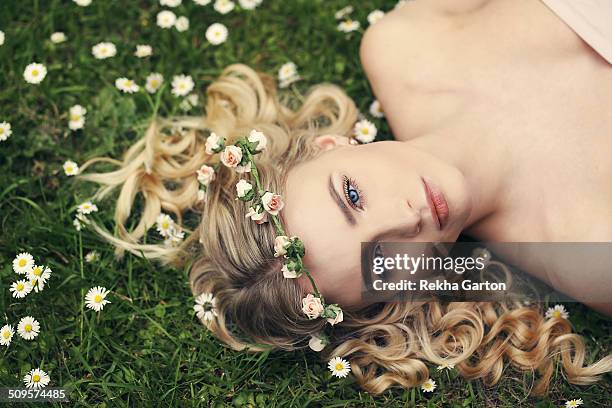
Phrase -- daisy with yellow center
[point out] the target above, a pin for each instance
(558, 312)
(77, 117)
(182, 85)
(35, 73)
(36, 379)
(87, 208)
(445, 367)
(28, 328)
(6, 335)
(23, 263)
(365, 131)
(348, 26)
(339, 367)
(5, 131)
(104, 50)
(376, 109)
(95, 298)
(70, 168)
(216, 34)
(126, 85)
(154, 82)
(20, 288)
(429, 385)
(38, 276)
(92, 256)
(574, 403)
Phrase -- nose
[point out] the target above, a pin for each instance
(395, 219)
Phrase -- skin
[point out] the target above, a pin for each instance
(504, 108)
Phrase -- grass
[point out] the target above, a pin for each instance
(146, 348)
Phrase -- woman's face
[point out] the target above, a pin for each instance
(374, 192)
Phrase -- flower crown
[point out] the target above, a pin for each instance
(263, 206)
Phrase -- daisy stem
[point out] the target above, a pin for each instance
(82, 278)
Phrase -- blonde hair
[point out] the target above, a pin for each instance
(257, 308)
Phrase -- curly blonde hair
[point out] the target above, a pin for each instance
(257, 309)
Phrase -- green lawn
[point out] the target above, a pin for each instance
(147, 348)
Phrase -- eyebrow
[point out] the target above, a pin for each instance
(336, 197)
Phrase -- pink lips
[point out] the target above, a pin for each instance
(437, 203)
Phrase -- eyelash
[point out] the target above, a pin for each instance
(350, 182)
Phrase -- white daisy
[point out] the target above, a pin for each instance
(287, 74)
(95, 298)
(20, 288)
(70, 168)
(224, 6)
(6, 335)
(104, 50)
(343, 12)
(216, 33)
(557, 311)
(348, 26)
(143, 51)
(23, 263)
(574, 403)
(182, 24)
(36, 379)
(189, 102)
(205, 306)
(126, 85)
(77, 117)
(445, 366)
(38, 276)
(93, 256)
(34, 73)
(165, 224)
(5, 131)
(78, 225)
(82, 3)
(376, 109)
(339, 367)
(1, 37)
(170, 3)
(154, 82)
(175, 236)
(202, 2)
(429, 385)
(28, 327)
(249, 4)
(87, 208)
(375, 16)
(182, 85)
(365, 131)
(58, 37)
(166, 19)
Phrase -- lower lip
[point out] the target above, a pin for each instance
(437, 203)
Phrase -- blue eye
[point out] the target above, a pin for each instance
(353, 195)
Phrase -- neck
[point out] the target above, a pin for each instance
(485, 165)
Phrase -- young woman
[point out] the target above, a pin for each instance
(506, 127)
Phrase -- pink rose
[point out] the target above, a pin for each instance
(272, 203)
(339, 317)
(231, 156)
(206, 174)
(312, 306)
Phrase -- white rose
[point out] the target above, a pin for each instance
(272, 203)
(259, 218)
(281, 243)
(312, 306)
(243, 169)
(231, 156)
(317, 342)
(212, 142)
(206, 174)
(289, 274)
(256, 136)
(339, 317)
(243, 187)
